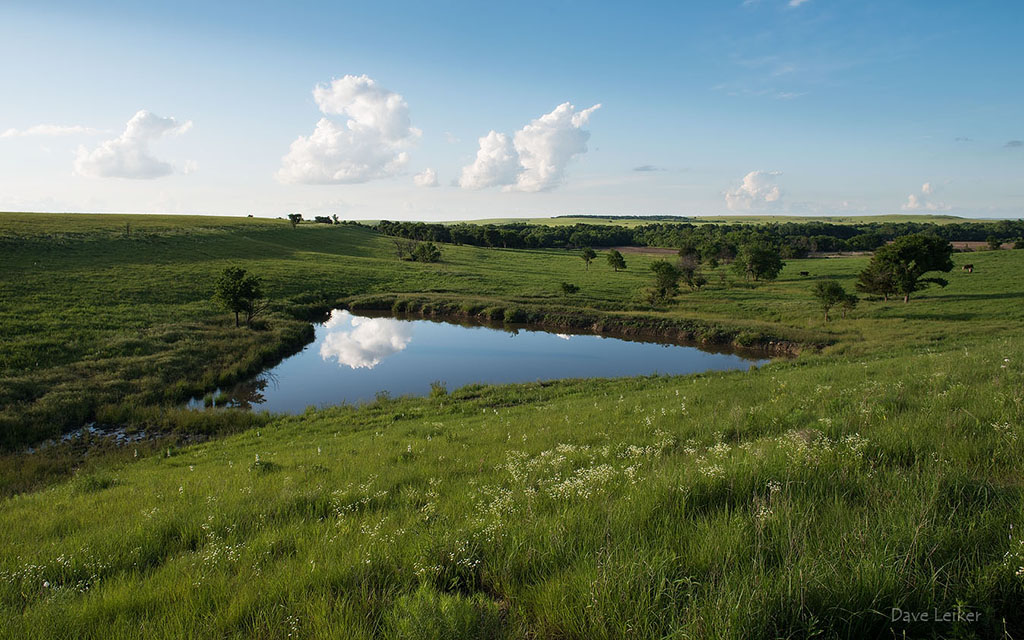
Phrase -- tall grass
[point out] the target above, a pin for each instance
(797, 499)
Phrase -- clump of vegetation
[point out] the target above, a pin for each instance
(438, 389)
(568, 288)
(294, 219)
(426, 252)
(416, 251)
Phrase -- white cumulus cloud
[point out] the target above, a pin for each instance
(496, 163)
(369, 143)
(362, 343)
(426, 178)
(536, 157)
(923, 201)
(758, 189)
(128, 155)
(49, 130)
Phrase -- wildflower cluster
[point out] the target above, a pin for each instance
(64, 574)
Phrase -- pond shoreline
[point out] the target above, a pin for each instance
(680, 332)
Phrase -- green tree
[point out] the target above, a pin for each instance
(295, 219)
(690, 273)
(877, 278)
(588, 255)
(666, 279)
(616, 260)
(569, 289)
(760, 261)
(848, 304)
(240, 292)
(909, 258)
(426, 252)
(994, 243)
(829, 293)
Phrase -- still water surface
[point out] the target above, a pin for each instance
(353, 358)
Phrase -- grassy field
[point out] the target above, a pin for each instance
(807, 498)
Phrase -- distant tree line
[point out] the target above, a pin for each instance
(711, 243)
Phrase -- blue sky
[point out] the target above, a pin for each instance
(773, 106)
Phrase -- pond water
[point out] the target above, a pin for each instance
(356, 357)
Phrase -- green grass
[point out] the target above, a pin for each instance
(805, 498)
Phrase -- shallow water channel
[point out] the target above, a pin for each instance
(356, 357)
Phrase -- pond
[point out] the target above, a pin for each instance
(356, 357)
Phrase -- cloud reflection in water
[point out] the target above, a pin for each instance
(363, 342)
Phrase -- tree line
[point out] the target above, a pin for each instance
(709, 241)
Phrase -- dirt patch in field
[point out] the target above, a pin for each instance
(651, 251)
(977, 245)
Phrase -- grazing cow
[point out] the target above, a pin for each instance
(969, 268)
(805, 273)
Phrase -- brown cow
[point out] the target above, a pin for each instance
(969, 268)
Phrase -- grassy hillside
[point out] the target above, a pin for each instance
(97, 317)
(809, 497)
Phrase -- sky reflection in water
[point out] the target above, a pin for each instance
(354, 358)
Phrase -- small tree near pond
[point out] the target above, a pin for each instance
(240, 292)
(830, 293)
(666, 280)
(616, 260)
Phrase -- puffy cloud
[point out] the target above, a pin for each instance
(128, 156)
(546, 145)
(49, 130)
(923, 200)
(426, 178)
(362, 343)
(369, 144)
(758, 189)
(1014, 144)
(536, 157)
(496, 163)
(797, 3)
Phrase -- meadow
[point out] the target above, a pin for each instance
(877, 470)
